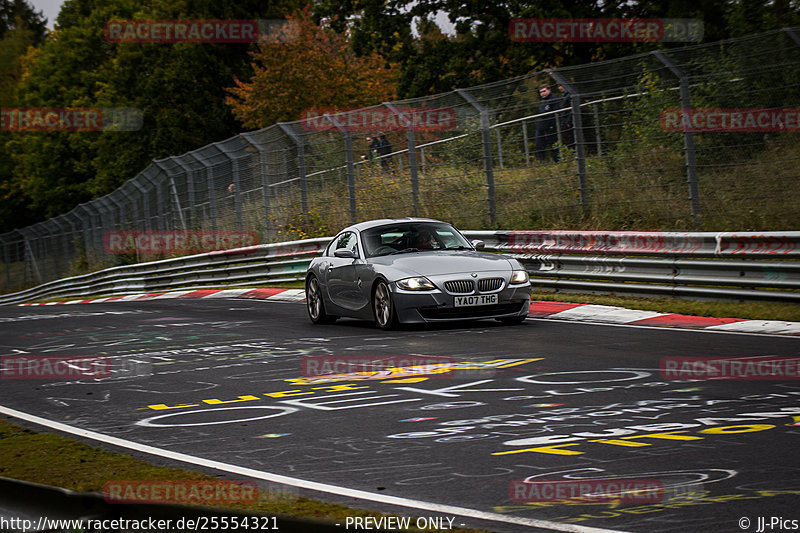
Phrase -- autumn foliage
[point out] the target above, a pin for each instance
(309, 66)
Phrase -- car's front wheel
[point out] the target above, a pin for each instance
(383, 306)
(315, 304)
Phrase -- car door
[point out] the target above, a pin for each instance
(343, 286)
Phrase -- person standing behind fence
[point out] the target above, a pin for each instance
(373, 144)
(384, 149)
(546, 133)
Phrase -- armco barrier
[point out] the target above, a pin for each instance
(698, 265)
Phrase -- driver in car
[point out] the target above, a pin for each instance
(425, 240)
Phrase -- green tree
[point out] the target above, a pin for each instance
(179, 88)
(20, 28)
(313, 67)
(19, 14)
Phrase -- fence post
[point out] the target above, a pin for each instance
(212, 196)
(577, 128)
(597, 130)
(174, 190)
(160, 210)
(237, 189)
(266, 190)
(499, 148)
(487, 152)
(301, 165)
(525, 143)
(190, 199)
(72, 243)
(7, 262)
(350, 164)
(412, 160)
(688, 136)
(793, 34)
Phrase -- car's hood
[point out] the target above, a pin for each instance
(441, 262)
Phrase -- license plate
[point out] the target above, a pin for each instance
(478, 299)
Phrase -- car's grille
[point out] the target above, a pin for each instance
(459, 286)
(489, 284)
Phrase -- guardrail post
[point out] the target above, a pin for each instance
(688, 136)
(488, 167)
(577, 128)
(412, 160)
(301, 164)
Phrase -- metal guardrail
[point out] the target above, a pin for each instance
(242, 266)
(701, 265)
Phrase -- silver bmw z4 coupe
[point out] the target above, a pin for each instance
(413, 270)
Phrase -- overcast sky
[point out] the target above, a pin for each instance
(49, 7)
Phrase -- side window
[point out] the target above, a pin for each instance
(347, 241)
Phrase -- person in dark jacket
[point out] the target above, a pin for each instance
(373, 145)
(546, 132)
(384, 149)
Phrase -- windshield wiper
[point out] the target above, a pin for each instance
(405, 251)
(459, 248)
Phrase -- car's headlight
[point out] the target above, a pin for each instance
(416, 284)
(519, 276)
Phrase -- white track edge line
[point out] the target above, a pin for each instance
(301, 483)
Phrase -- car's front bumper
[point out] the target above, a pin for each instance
(439, 306)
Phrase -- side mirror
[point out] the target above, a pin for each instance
(479, 245)
(344, 254)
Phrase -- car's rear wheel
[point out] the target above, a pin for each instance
(315, 304)
(383, 306)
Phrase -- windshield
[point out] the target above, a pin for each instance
(406, 237)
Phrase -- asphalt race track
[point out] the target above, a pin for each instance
(513, 415)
